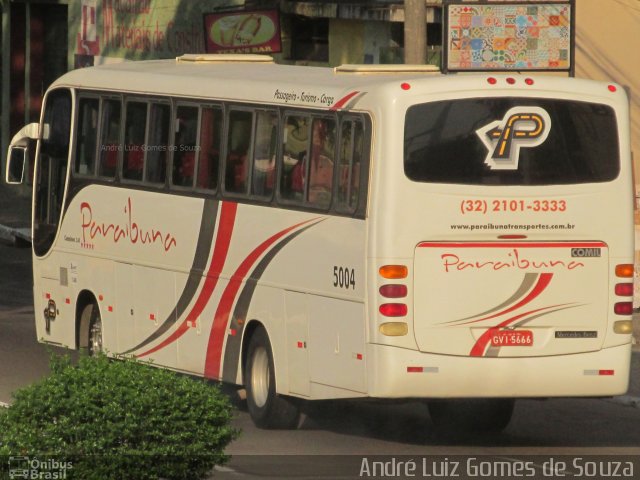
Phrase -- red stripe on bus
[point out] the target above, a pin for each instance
(223, 312)
(343, 101)
(480, 346)
(540, 286)
(220, 251)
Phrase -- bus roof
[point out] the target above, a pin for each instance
(262, 81)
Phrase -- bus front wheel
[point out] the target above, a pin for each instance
(266, 407)
(452, 417)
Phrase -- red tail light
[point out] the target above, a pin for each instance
(623, 308)
(393, 309)
(624, 289)
(393, 291)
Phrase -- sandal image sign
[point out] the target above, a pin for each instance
(246, 32)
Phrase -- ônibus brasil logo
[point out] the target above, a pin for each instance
(521, 127)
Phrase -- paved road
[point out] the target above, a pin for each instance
(22, 359)
(546, 428)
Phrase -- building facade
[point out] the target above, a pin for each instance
(42, 39)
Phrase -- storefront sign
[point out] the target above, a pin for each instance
(114, 30)
(243, 32)
(492, 35)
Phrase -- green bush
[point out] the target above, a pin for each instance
(118, 419)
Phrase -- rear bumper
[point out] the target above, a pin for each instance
(443, 376)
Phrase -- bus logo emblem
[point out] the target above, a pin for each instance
(521, 127)
(585, 252)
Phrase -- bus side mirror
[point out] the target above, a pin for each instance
(19, 153)
(16, 163)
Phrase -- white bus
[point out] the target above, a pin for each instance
(358, 232)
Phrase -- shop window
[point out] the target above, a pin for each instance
(394, 52)
(310, 39)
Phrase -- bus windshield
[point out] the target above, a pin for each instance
(450, 142)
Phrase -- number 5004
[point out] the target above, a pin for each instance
(344, 277)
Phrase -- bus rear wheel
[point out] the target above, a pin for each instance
(91, 317)
(452, 417)
(267, 409)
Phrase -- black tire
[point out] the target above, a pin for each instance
(267, 409)
(455, 417)
(91, 318)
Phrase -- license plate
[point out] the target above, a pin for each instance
(512, 338)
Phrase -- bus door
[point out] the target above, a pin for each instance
(51, 169)
(50, 277)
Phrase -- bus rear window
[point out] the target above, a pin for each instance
(511, 141)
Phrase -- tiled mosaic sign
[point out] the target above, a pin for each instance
(509, 37)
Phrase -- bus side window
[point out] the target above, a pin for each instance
(264, 155)
(296, 149)
(236, 171)
(351, 151)
(134, 138)
(109, 138)
(87, 132)
(158, 145)
(210, 146)
(322, 159)
(185, 146)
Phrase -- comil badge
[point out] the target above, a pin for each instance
(521, 127)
